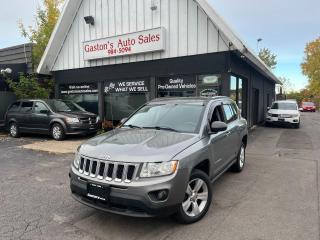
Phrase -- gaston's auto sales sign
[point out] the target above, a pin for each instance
(151, 40)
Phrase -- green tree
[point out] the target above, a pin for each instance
(311, 66)
(28, 86)
(268, 58)
(286, 84)
(46, 18)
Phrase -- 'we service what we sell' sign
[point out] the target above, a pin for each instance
(151, 40)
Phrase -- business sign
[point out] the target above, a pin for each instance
(128, 86)
(133, 43)
(78, 89)
(209, 93)
(176, 83)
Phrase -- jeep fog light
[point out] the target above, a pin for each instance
(160, 195)
(158, 169)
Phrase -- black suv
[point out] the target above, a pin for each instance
(55, 117)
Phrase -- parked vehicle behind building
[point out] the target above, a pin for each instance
(283, 112)
(56, 117)
(163, 159)
(308, 107)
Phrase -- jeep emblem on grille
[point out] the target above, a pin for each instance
(107, 157)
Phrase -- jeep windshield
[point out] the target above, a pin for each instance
(64, 106)
(184, 118)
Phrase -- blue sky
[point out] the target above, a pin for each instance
(285, 27)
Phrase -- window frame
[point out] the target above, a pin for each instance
(34, 107)
(17, 109)
(212, 109)
(244, 93)
(22, 102)
(234, 116)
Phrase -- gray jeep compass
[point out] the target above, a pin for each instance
(163, 159)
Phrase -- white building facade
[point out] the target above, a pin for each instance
(111, 56)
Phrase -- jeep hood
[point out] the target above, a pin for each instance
(137, 145)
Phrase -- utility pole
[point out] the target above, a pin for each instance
(258, 41)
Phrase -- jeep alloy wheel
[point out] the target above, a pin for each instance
(197, 198)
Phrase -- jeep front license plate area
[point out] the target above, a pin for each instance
(98, 192)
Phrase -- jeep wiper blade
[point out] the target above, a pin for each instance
(163, 128)
(132, 126)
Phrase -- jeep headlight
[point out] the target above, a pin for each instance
(295, 115)
(76, 161)
(158, 169)
(269, 114)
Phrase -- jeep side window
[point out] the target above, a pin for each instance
(14, 107)
(229, 113)
(26, 107)
(217, 115)
(235, 109)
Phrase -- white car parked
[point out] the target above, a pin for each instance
(284, 112)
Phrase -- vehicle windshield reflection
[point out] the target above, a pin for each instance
(169, 117)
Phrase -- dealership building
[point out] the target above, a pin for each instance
(112, 56)
(14, 60)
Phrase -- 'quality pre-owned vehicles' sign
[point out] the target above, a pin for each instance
(176, 83)
(133, 43)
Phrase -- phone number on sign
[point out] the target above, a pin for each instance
(119, 51)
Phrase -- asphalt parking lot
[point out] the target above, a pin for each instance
(275, 197)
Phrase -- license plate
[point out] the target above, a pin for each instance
(281, 119)
(98, 192)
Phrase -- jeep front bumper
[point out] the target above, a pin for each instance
(135, 198)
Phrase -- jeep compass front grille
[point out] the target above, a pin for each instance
(109, 171)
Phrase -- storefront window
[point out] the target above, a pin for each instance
(240, 93)
(122, 98)
(209, 85)
(176, 86)
(89, 102)
(85, 95)
(122, 105)
(236, 90)
(233, 88)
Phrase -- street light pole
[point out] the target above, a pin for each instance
(258, 41)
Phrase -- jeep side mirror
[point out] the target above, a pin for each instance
(123, 120)
(218, 127)
(268, 108)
